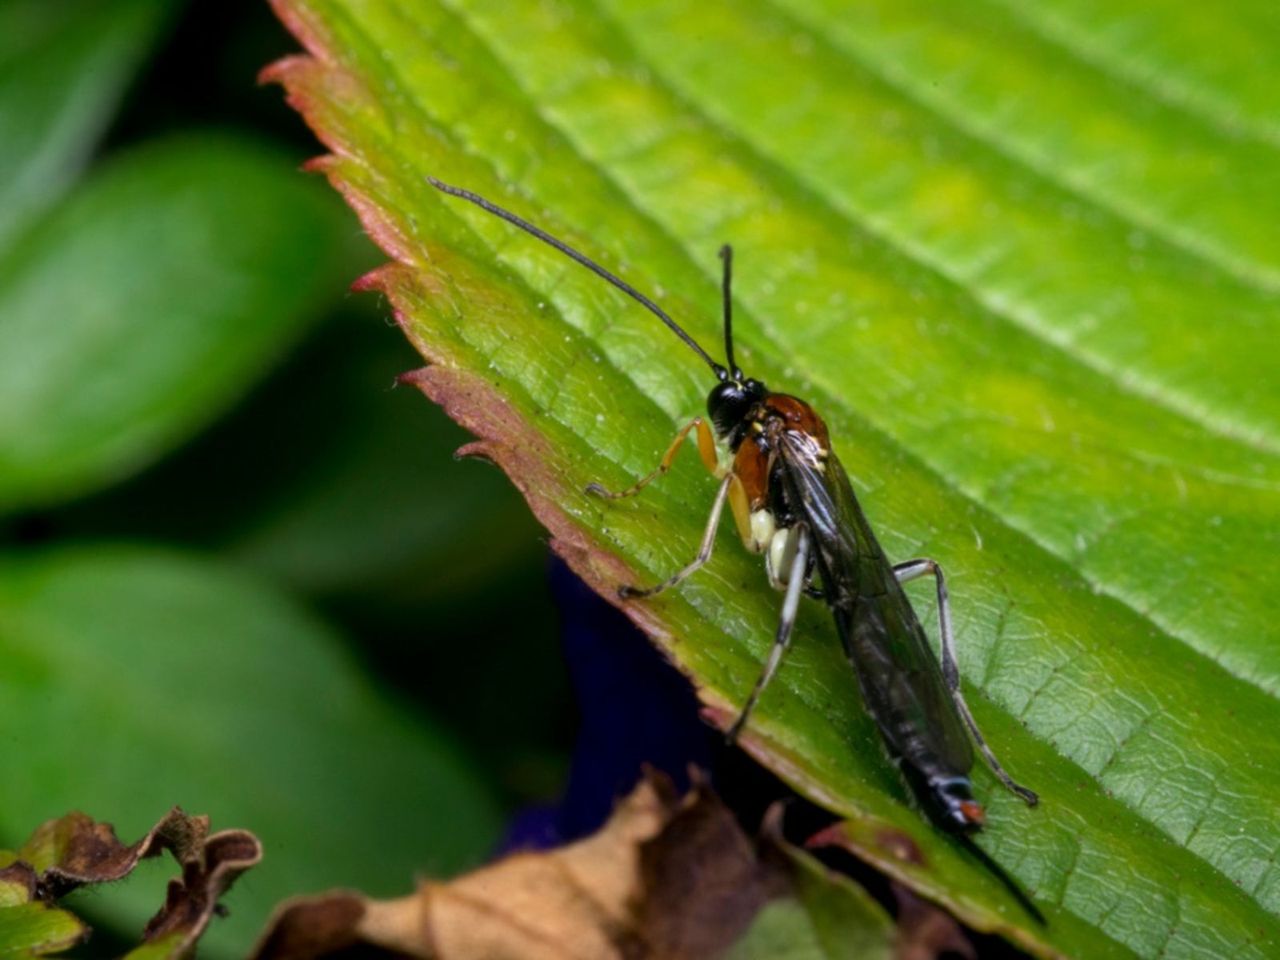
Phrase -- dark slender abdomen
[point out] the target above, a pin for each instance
(901, 682)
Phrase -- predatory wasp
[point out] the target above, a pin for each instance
(792, 502)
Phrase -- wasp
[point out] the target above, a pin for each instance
(792, 502)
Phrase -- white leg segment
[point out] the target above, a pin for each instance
(704, 550)
(790, 605)
(911, 570)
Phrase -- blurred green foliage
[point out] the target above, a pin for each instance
(239, 570)
(829, 918)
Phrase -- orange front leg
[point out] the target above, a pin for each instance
(706, 449)
(741, 508)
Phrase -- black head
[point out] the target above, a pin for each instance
(730, 404)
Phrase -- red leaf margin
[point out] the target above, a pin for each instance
(504, 436)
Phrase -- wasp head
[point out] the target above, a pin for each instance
(730, 404)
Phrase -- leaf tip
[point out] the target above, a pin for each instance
(415, 378)
(377, 280)
(278, 71)
(321, 164)
(476, 450)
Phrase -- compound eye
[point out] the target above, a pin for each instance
(727, 404)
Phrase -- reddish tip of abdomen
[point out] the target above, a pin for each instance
(973, 813)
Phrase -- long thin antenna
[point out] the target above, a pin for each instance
(720, 372)
(726, 254)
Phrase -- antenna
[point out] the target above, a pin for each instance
(720, 372)
(726, 254)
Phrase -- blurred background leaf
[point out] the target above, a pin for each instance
(146, 304)
(827, 917)
(174, 489)
(176, 681)
(64, 67)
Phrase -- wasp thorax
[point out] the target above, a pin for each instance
(731, 402)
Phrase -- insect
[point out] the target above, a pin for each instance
(792, 502)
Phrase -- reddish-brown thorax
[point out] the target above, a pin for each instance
(797, 415)
(778, 412)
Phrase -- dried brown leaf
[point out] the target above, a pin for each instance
(667, 877)
(75, 851)
(926, 931)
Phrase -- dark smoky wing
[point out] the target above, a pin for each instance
(899, 676)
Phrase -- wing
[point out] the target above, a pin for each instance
(899, 676)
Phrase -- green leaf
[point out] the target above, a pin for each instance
(828, 917)
(165, 948)
(72, 852)
(1033, 296)
(64, 65)
(136, 680)
(147, 302)
(30, 927)
(34, 929)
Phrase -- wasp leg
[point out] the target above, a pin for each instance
(790, 604)
(706, 449)
(910, 570)
(815, 593)
(704, 551)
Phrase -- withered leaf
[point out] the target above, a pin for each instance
(75, 850)
(925, 931)
(667, 877)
